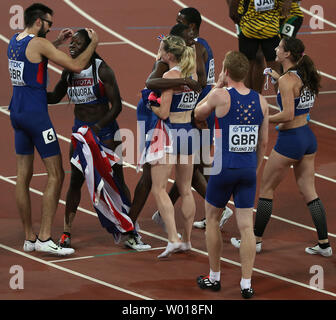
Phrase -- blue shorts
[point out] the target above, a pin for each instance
(34, 129)
(240, 183)
(295, 143)
(185, 138)
(107, 133)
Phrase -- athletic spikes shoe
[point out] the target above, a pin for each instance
(49, 246)
(135, 242)
(327, 252)
(29, 246)
(247, 293)
(65, 241)
(205, 283)
(156, 217)
(200, 224)
(227, 213)
(236, 243)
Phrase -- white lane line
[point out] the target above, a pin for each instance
(270, 274)
(75, 273)
(318, 17)
(216, 25)
(107, 29)
(111, 43)
(183, 5)
(317, 32)
(171, 181)
(106, 255)
(321, 124)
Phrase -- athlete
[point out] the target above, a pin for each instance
(296, 143)
(28, 53)
(145, 117)
(92, 91)
(174, 117)
(191, 17)
(241, 138)
(258, 27)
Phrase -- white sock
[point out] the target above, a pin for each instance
(214, 276)
(245, 283)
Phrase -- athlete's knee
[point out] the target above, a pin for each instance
(56, 176)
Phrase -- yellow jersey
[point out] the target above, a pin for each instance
(261, 19)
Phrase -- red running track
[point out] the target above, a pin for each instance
(102, 270)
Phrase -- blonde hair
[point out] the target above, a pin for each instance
(183, 54)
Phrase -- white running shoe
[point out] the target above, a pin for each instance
(227, 213)
(185, 246)
(135, 242)
(200, 224)
(29, 246)
(171, 248)
(52, 248)
(156, 217)
(236, 243)
(327, 252)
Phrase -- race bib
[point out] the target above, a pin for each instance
(243, 138)
(307, 100)
(287, 30)
(188, 100)
(49, 136)
(81, 91)
(16, 72)
(211, 73)
(263, 5)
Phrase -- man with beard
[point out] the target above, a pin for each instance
(28, 53)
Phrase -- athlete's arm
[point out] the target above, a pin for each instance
(233, 6)
(42, 47)
(156, 82)
(60, 89)
(63, 36)
(263, 133)
(286, 87)
(208, 104)
(109, 80)
(201, 57)
(166, 97)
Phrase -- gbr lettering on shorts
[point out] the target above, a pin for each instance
(243, 138)
(16, 72)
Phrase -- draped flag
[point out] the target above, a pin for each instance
(96, 162)
(159, 141)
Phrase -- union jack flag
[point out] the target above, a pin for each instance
(96, 162)
(159, 141)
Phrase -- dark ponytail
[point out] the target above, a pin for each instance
(304, 65)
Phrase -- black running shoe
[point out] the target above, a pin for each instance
(247, 293)
(205, 283)
(65, 241)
